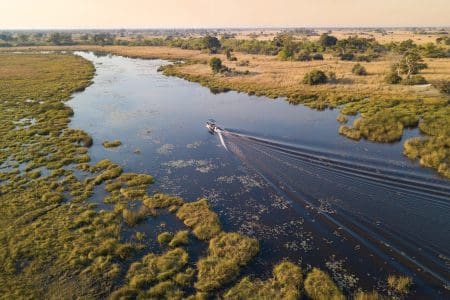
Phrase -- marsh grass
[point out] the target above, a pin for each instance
(55, 244)
(204, 223)
(111, 144)
(319, 286)
(286, 283)
(399, 284)
(226, 254)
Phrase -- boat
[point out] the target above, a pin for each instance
(211, 125)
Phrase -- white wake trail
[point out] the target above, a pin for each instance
(219, 132)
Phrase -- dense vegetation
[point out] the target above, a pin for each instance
(56, 242)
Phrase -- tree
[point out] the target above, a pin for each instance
(57, 38)
(410, 64)
(315, 77)
(216, 64)
(212, 43)
(103, 39)
(326, 40)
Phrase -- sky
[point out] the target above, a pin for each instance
(66, 14)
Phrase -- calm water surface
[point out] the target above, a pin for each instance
(360, 210)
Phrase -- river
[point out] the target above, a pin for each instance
(359, 210)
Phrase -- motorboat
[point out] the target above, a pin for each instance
(211, 125)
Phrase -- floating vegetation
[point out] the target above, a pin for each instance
(111, 144)
(165, 149)
(202, 166)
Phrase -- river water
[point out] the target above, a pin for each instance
(359, 210)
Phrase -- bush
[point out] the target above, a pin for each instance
(392, 78)
(326, 40)
(443, 86)
(216, 64)
(347, 56)
(317, 56)
(359, 70)
(315, 77)
(304, 57)
(414, 80)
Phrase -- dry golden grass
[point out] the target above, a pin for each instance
(269, 73)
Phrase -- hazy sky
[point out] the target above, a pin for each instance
(221, 13)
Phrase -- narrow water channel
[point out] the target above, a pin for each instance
(360, 210)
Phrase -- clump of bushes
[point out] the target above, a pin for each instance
(197, 215)
(414, 80)
(304, 56)
(216, 64)
(392, 78)
(315, 77)
(359, 70)
(319, 285)
(286, 283)
(226, 254)
(347, 56)
(317, 56)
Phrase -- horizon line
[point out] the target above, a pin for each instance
(233, 27)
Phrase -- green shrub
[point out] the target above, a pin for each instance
(326, 40)
(304, 56)
(347, 56)
(317, 56)
(315, 77)
(414, 80)
(216, 64)
(359, 70)
(392, 78)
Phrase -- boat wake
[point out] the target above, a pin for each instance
(391, 210)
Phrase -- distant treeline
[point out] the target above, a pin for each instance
(286, 45)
